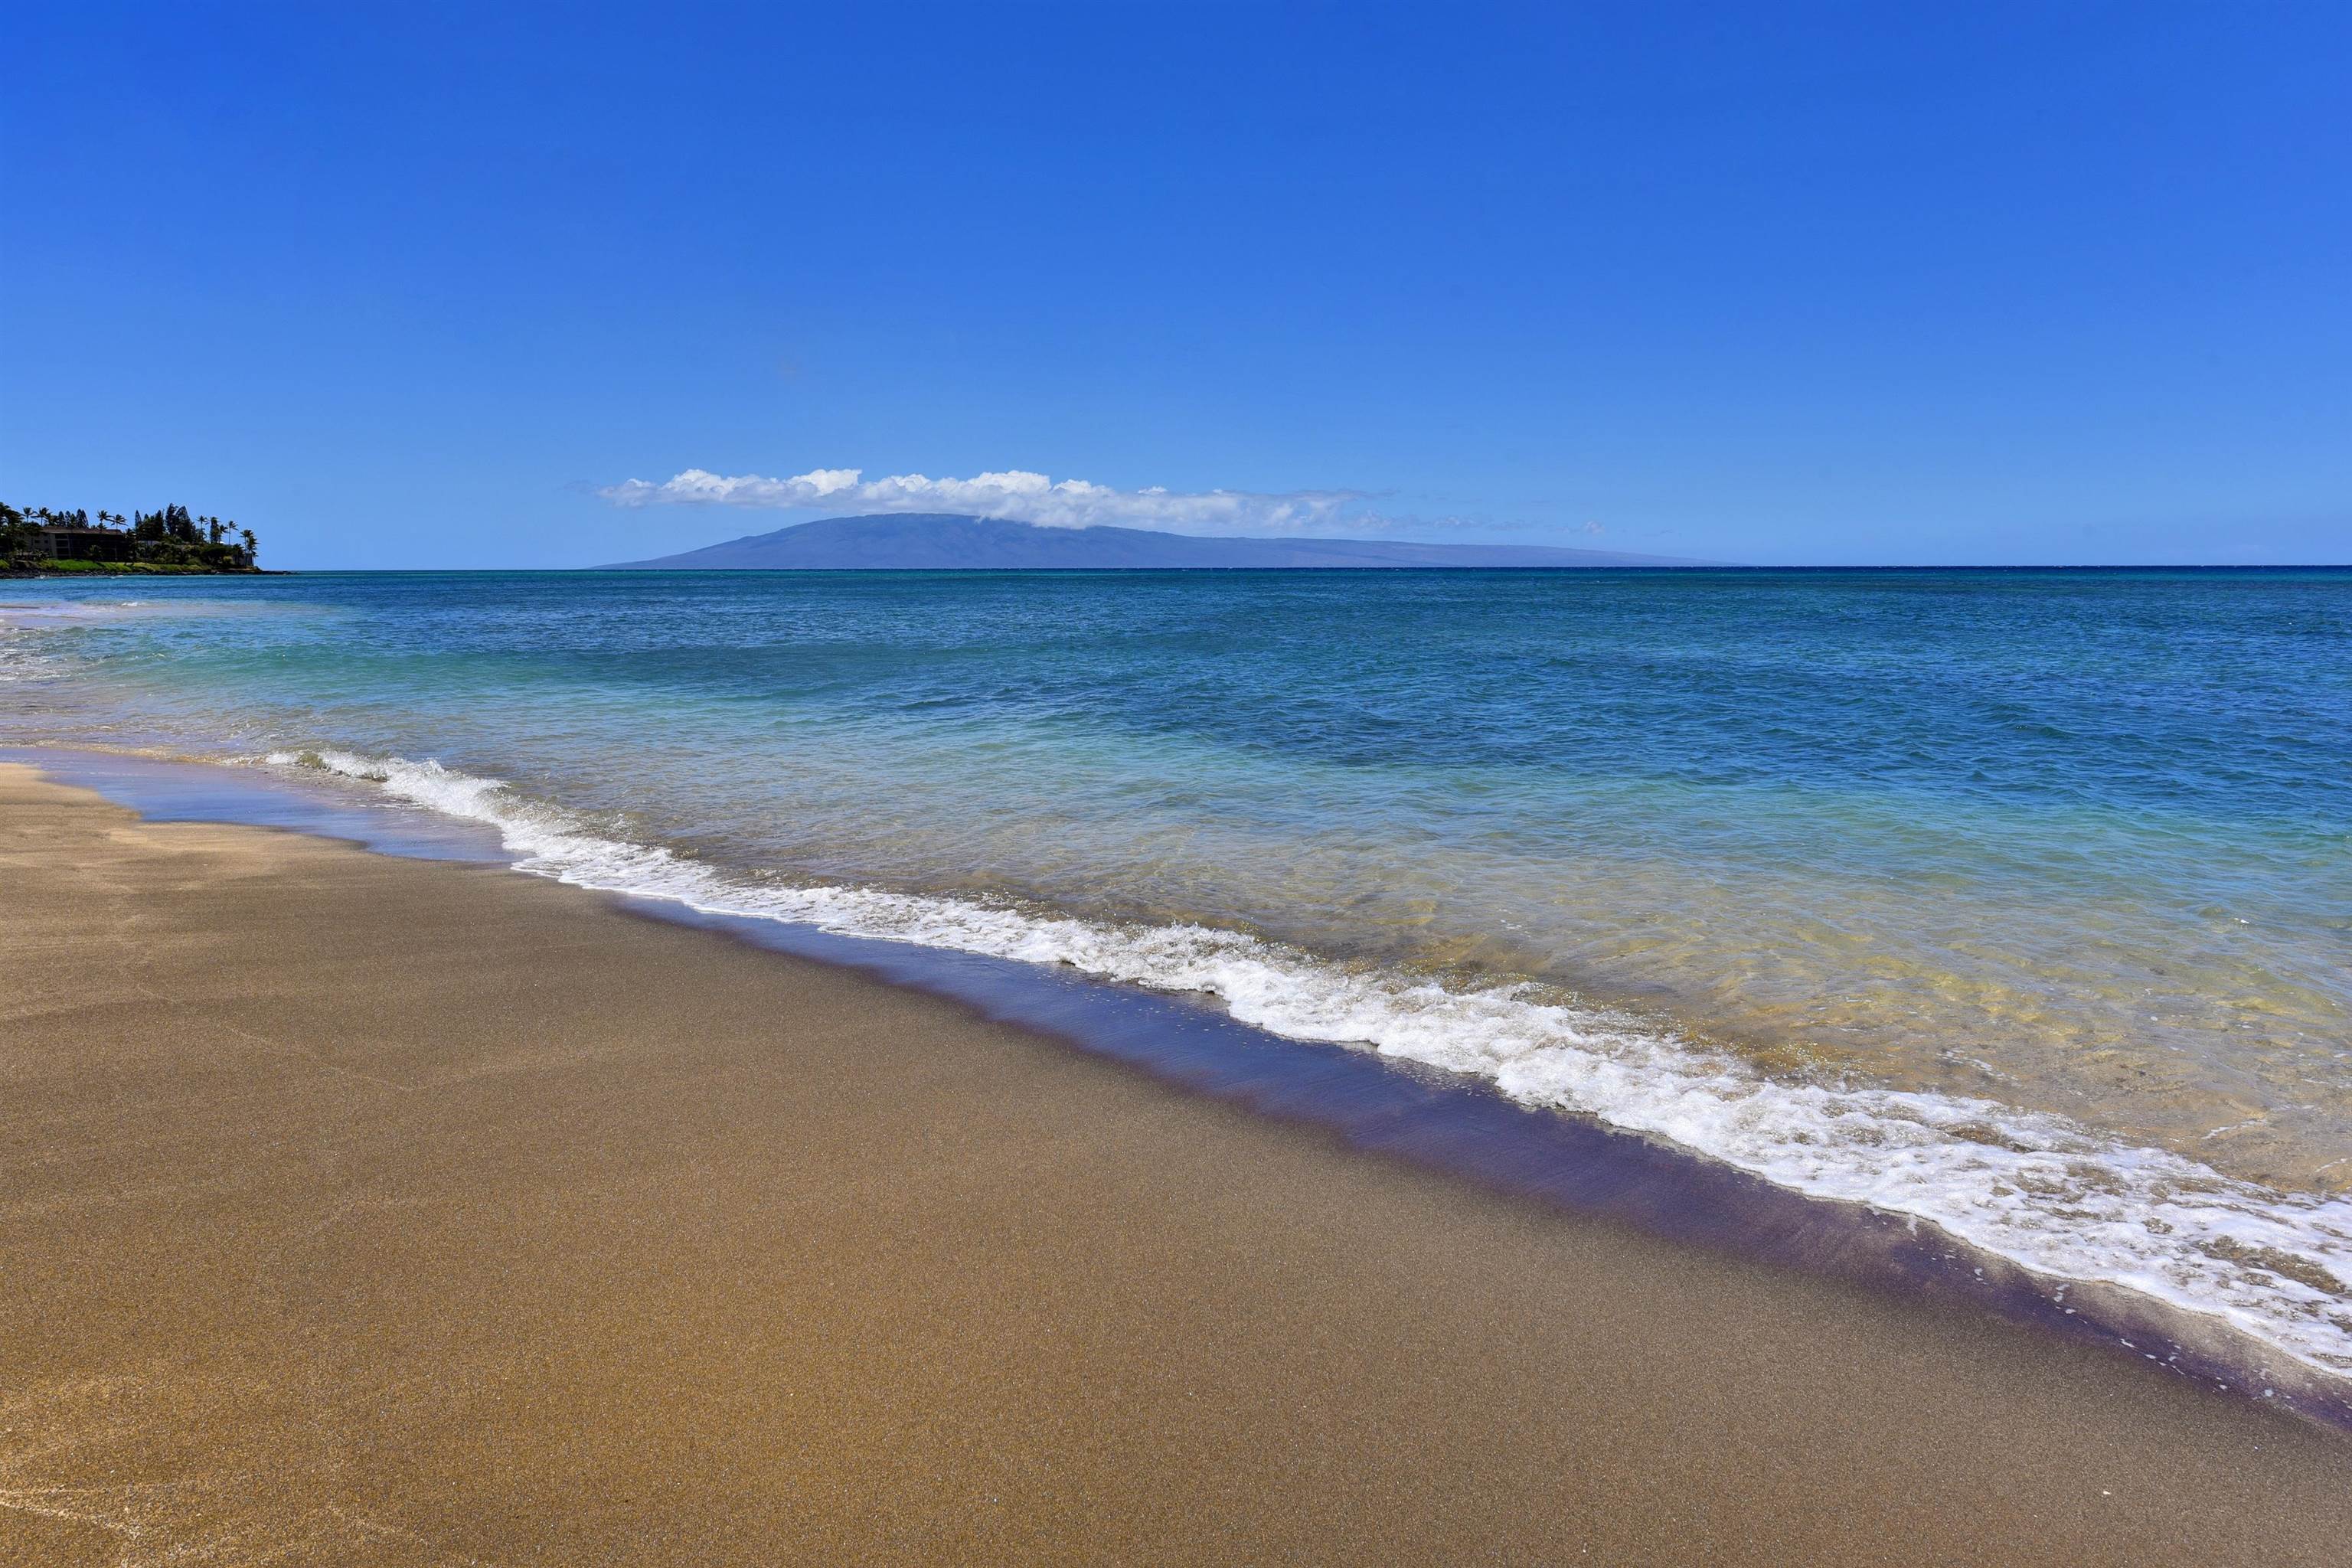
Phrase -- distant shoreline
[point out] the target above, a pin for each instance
(140, 569)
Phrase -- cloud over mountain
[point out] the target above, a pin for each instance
(1014, 493)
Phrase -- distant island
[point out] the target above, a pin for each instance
(946, 541)
(39, 541)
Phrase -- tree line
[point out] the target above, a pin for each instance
(171, 537)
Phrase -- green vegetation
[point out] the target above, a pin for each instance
(37, 539)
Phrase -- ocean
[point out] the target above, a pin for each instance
(2018, 903)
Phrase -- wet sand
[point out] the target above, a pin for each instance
(360, 1210)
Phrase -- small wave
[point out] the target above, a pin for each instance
(2042, 1190)
(68, 612)
(21, 654)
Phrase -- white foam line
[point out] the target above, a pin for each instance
(2035, 1188)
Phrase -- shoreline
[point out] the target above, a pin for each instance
(1459, 1125)
(135, 570)
(419, 1211)
(1462, 1124)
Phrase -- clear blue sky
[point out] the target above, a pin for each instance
(406, 285)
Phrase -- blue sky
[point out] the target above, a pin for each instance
(410, 286)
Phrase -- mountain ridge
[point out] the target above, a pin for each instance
(937, 542)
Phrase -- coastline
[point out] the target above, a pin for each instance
(1458, 1124)
(412, 1212)
(137, 569)
(1236, 1037)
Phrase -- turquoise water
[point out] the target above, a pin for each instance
(2020, 901)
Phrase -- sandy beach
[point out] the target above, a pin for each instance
(360, 1210)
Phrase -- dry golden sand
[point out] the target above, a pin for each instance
(356, 1210)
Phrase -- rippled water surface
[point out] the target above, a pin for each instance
(2060, 843)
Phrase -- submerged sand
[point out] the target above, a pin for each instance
(359, 1210)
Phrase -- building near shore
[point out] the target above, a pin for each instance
(74, 542)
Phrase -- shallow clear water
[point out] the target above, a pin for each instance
(2020, 900)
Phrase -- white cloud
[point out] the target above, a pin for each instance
(1014, 493)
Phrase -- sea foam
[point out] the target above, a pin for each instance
(2048, 1194)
